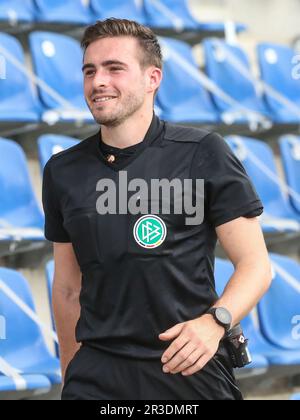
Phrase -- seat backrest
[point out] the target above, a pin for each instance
(21, 331)
(268, 190)
(226, 76)
(174, 14)
(15, 89)
(290, 154)
(129, 9)
(18, 203)
(68, 11)
(58, 60)
(15, 11)
(276, 67)
(188, 90)
(50, 144)
(279, 309)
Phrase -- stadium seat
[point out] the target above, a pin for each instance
(29, 383)
(279, 308)
(264, 353)
(290, 154)
(276, 70)
(24, 347)
(63, 11)
(177, 15)
(57, 61)
(21, 218)
(189, 102)
(129, 9)
(235, 84)
(17, 100)
(295, 397)
(259, 162)
(50, 144)
(16, 11)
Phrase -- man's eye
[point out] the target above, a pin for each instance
(89, 73)
(116, 68)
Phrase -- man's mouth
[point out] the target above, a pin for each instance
(103, 99)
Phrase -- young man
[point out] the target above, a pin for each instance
(141, 283)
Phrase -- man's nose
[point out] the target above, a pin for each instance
(101, 79)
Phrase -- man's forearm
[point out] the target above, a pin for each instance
(249, 283)
(66, 309)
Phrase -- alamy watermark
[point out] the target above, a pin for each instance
(2, 68)
(296, 68)
(160, 196)
(2, 328)
(296, 329)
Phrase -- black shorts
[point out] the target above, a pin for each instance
(99, 375)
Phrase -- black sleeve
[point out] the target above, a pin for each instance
(229, 193)
(54, 230)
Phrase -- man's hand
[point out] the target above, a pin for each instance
(194, 344)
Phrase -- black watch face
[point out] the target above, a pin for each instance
(223, 316)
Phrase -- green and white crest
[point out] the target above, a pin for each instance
(150, 231)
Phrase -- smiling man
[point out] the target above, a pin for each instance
(139, 288)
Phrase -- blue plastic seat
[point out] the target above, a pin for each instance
(50, 279)
(231, 81)
(279, 308)
(181, 97)
(129, 9)
(295, 397)
(24, 347)
(290, 154)
(58, 60)
(21, 217)
(17, 100)
(63, 11)
(176, 14)
(50, 144)
(276, 70)
(15, 11)
(31, 383)
(264, 353)
(279, 216)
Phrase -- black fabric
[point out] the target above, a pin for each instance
(98, 375)
(131, 294)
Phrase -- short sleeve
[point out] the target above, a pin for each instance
(229, 192)
(54, 230)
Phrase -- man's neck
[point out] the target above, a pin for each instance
(130, 133)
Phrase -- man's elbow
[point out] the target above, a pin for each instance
(267, 274)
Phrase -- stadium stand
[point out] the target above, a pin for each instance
(235, 83)
(57, 61)
(290, 154)
(259, 162)
(130, 9)
(215, 85)
(24, 348)
(63, 11)
(21, 218)
(189, 102)
(275, 63)
(50, 144)
(16, 11)
(16, 88)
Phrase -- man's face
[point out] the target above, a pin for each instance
(115, 85)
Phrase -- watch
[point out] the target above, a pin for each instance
(222, 317)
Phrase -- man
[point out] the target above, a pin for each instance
(145, 280)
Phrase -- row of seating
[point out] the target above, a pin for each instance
(169, 14)
(21, 218)
(272, 342)
(227, 93)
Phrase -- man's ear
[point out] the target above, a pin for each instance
(155, 77)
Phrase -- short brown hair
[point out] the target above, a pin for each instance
(110, 28)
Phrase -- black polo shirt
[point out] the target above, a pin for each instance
(132, 293)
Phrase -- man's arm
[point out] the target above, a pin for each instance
(196, 342)
(66, 307)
